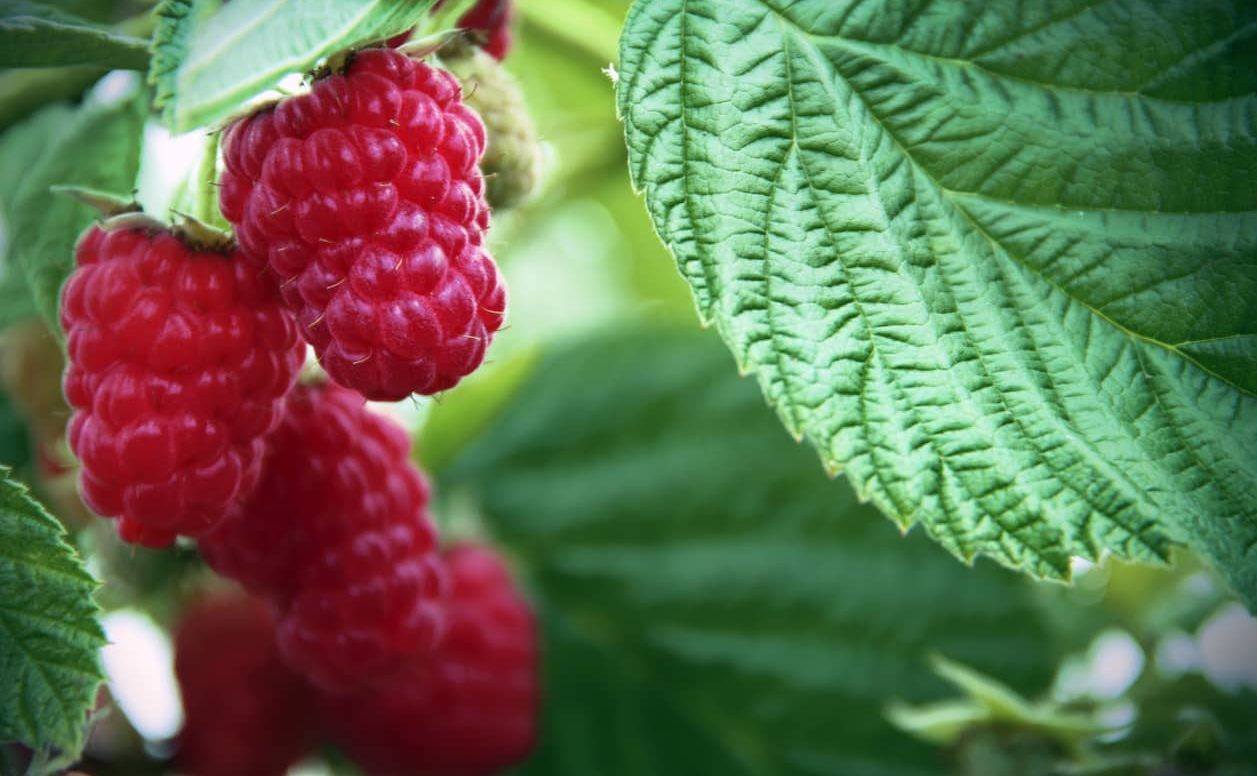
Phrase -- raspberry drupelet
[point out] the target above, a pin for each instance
(468, 709)
(365, 198)
(178, 362)
(338, 538)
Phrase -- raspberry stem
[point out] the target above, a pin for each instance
(445, 16)
(207, 184)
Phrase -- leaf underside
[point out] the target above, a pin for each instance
(49, 635)
(207, 66)
(997, 262)
(704, 571)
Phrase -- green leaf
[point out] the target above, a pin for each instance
(25, 91)
(15, 440)
(18, 146)
(39, 35)
(95, 147)
(205, 69)
(176, 20)
(988, 703)
(49, 635)
(1193, 725)
(464, 414)
(1006, 280)
(698, 556)
(606, 717)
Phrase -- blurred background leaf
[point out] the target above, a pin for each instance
(97, 147)
(39, 35)
(672, 524)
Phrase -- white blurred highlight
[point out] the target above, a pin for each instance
(139, 666)
(168, 161)
(1115, 663)
(1107, 670)
(1228, 644)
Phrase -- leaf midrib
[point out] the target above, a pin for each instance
(191, 67)
(948, 195)
(1009, 529)
(867, 46)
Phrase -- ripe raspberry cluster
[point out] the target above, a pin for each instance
(337, 536)
(360, 216)
(179, 359)
(467, 709)
(366, 200)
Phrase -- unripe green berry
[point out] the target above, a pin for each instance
(512, 160)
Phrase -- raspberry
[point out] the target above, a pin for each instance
(365, 197)
(179, 359)
(468, 709)
(493, 17)
(338, 536)
(245, 713)
(512, 161)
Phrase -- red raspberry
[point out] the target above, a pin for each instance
(365, 196)
(491, 17)
(338, 536)
(494, 18)
(471, 707)
(179, 359)
(245, 713)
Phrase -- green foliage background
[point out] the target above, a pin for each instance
(712, 602)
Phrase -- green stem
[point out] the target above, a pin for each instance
(207, 183)
(447, 16)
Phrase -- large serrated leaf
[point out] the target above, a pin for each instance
(97, 147)
(40, 35)
(49, 634)
(997, 262)
(704, 571)
(248, 46)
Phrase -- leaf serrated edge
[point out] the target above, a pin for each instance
(53, 531)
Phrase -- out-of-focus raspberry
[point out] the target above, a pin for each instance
(490, 18)
(470, 708)
(513, 160)
(179, 359)
(338, 536)
(493, 18)
(365, 198)
(245, 713)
